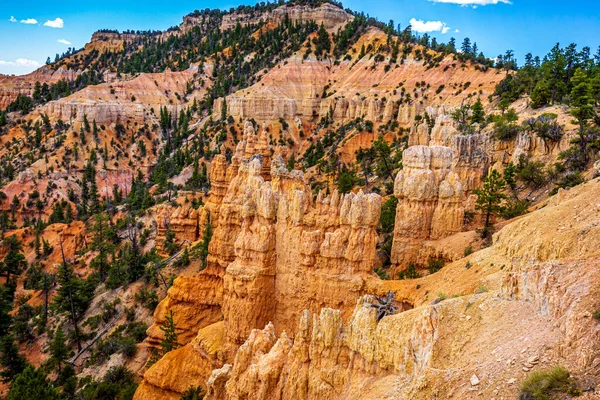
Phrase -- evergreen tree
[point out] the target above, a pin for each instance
(169, 244)
(383, 153)
(466, 47)
(14, 261)
(170, 331)
(32, 384)
(13, 362)
(345, 183)
(86, 124)
(58, 349)
(490, 198)
(477, 113)
(577, 157)
(291, 164)
(322, 41)
(206, 238)
(103, 242)
(387, 219)
(6, 306)
(73, 295)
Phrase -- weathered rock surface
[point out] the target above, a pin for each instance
(330, 16)
(430, 202)
(266, 274)
(11, 86)
(446, 349)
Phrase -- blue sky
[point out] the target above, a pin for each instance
(522, 25)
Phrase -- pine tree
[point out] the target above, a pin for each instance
(322, 41)
(195, 181)
(170, 331)
(477, 113)
(86, 124)
(73, 295)
(490, 198)
(291, 164)
(345, 183)
(14, 206)
(14, 261)
(169, 244)
(577, 157)
(13, 362)
(383, 153)
(58, 349)
(387, 219)
(466, 47)
(32, 384)
(6, 306)
(102, 242)
(37, 245)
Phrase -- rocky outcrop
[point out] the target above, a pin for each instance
(308, 88)
(186, 223)
(332, 17)
(137, 100)
(249, 281)
(275, 252)
(185, 367)
(326, 354)
(430, 197)
(446, 349)
(196, 303)
(11, 86)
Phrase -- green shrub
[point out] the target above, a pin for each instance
(118, 383)
(382, 273)
(387, 219)
(147, 297)
(468, 250)
(530, 172)
(409, 273)
(193, 393)
(507, 131)
(544, 385)
(435, 265)
(514, 208)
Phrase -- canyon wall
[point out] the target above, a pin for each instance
(275, 251)
(330, 16)
(430, 201)
(445, 349)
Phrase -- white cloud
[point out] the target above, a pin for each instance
(64, 41)
(21, 62)
(57, 23)
(472, 3)
(12, 19)
(428, 26)
(456, 31)
(29, 21)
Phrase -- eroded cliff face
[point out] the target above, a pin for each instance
(11, 86)
(282, 309)
(275, 251)
(436, 349)
(126, 102)
(307, 88)
(330, 16)
(430, 201)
